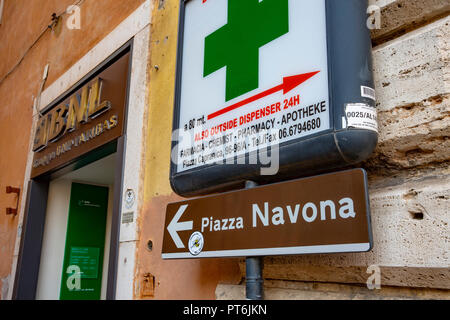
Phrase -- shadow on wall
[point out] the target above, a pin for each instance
(4, 286)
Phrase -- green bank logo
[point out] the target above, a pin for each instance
(251, 25)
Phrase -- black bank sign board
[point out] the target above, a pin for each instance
(323, 214)
(270, 90)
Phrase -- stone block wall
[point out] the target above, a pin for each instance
(409, 173)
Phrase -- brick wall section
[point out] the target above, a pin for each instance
(21, 69)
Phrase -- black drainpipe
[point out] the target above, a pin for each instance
(254, 281)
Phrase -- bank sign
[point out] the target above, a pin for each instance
(251, 75)
(85, 119)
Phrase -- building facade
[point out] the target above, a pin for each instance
(116, 60)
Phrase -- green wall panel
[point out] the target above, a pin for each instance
(85, 243)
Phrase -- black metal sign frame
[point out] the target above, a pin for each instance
(349, 69)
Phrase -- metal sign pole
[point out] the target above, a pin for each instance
(254, 281)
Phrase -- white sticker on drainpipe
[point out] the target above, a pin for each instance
(361, 116)
(368, 92)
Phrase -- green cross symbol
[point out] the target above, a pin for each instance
(251, 25)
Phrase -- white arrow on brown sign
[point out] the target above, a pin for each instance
(175, 226)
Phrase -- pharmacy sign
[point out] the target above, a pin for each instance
(252, 75)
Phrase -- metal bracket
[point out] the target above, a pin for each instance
(148, 285)
(9, 190)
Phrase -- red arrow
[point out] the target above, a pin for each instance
(289, 83)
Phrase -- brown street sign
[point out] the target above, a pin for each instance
(323, 214)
